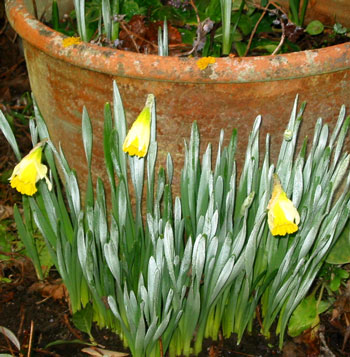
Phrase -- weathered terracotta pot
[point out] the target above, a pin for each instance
(228, 94)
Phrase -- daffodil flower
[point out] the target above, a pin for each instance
(137, 140)
(29, 171)
(283, 217)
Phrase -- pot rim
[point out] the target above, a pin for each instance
(176, 69)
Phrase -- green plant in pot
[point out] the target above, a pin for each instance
(208, 28)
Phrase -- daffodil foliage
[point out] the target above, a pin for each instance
(166, 272)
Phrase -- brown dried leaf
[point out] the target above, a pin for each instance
(5, 212)
(55, 290)
(174, 35)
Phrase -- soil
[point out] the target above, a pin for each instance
(38, 312)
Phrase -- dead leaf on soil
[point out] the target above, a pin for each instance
(6, 297)
(99, 352)
(5, 212)
(292, 349)
(214, 351)
(310, 339)
(55, 290)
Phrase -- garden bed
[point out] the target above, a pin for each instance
(38, 314)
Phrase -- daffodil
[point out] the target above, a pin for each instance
(283, 217)
(29, 171)
(137, 140)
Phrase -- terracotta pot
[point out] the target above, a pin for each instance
(228, 94)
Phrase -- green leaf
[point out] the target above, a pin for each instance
(343, 274)
(306, 315)
(240, 48)
(213, 11)
(264, 24)
(11, 336)
(7, 131)
(340, 253)
(55, 16)
(28, 241)
(64, 342)
(335, 283)
(339, 29)
(82, 319)
(267, 45)
(245, 24)
(339, 274)
(87, 135)
(107, 16)
(226, 6)
(188, 36)
(131, 8)
(314, 28)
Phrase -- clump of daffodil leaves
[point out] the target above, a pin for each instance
(166, 272)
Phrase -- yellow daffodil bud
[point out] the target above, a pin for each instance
(283, 217)
(137, 140)
(29, 171)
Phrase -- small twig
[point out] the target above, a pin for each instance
(4, 27)
(255, 28)
(196, 11)
(44, 11)
(13, 40)
(266, 9)
(271, 2)
(283, 37)
(130, 35)
(242, 353)
(10, 254)
(70, 328)
(346, 336)
(13, 68)
(199, 28)
(325, 348)
(35, 9)
(203, 29)
(161, 347)
(258, 316)
(30, 338)
(23, 315)
(43, 300)
(46, 352)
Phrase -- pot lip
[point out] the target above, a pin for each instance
(176, 69)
